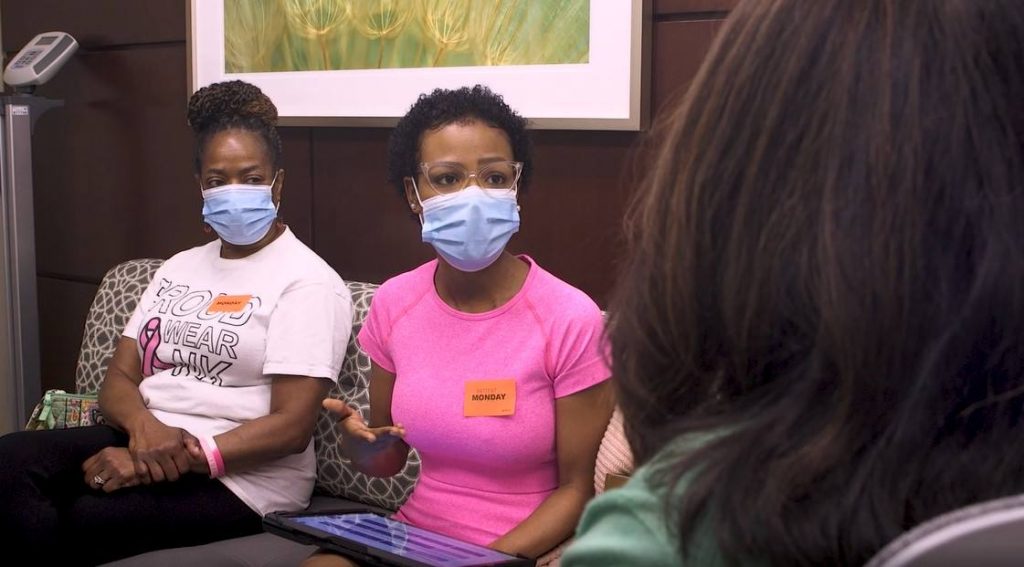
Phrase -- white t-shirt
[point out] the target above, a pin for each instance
(213, 332)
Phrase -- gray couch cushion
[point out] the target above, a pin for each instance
(115, 300)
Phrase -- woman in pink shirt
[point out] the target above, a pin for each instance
(491, 367)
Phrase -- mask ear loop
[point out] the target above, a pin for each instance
(416, 191)
(277, 205)
(207, 229)
(515, 191)
(515, 188)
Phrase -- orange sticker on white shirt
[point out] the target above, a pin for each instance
(229, 303)
(490, 398)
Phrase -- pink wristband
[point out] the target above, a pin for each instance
(213, 457)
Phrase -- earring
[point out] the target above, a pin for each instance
(207, 229)
(518, 208)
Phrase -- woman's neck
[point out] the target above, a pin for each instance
(484, 290)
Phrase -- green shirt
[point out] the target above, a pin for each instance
(628, 526)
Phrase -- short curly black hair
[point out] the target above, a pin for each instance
(230, 105)
(443, 107)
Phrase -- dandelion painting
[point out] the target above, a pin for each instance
(572, 64)
(322, 35)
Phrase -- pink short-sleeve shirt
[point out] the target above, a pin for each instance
(481, 476)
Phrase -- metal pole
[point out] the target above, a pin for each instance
(19, 254)
(11, 402)
(17, 134)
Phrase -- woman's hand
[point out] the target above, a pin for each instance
(197, 461)
(110, 469)
(352, 424)
(379, 451)
(159, 451)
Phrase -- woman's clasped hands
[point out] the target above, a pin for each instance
(155, 453)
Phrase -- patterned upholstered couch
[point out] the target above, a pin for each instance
(337, 485)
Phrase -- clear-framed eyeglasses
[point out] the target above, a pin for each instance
(448, 177)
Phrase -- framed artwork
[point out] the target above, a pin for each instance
(565, 64)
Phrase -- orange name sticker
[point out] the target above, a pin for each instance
(490, 398)
(229, 303)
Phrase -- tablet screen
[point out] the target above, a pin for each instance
(402, 539)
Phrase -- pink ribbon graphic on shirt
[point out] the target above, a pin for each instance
(149, 340)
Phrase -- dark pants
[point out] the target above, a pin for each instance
(48, 512)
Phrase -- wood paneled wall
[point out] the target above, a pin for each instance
(113, 176)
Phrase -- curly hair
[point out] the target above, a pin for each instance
(233, 105)
(443, 107)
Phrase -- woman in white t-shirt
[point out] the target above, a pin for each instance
(212, 394)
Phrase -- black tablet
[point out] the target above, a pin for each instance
(375, 539)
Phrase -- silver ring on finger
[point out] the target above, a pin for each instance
(99, 480)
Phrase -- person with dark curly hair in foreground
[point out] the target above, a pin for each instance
(489, 366)
(212, 393)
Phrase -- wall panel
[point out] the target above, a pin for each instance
(63, 306)
(94, 23)
(680, 47)
(664, 8)
(112, 171)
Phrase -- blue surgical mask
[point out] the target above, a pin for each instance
(240, 214)
(470, 228)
